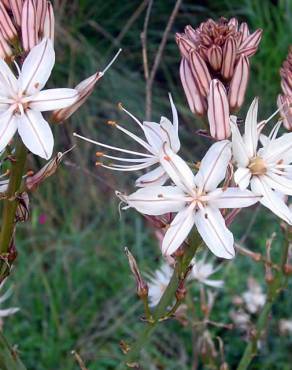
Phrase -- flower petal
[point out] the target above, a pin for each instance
(211, 226)
(279, 149)
(238, 145)
(52, 99)
(8, 127)
(234, 198)
(251, 132)
(178, 230)
(8, 82)
(36, 133)
(155, 177)
(155, 200)
(242, 177)
(177, 169)
(37, 67)
(153, 134)
(277, 182)
(170, 134)
(213, 166)
(271, 199)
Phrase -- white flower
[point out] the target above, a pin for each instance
(196, 199)
(155, 134)
(285, 326)
(201, 271)
(22, 101)
(266, 170)
(254, 298)
(158, 282)
(6, 311)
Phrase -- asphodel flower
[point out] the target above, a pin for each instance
(202, 270)
(22, 101)
(196, 200)
(254, 298)
(156, 135)
(285, 99)
(268, 169)
(216, 51)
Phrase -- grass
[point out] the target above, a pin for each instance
(71, 278)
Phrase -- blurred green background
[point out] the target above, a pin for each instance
(71, 279)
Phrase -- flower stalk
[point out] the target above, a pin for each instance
(10, 203)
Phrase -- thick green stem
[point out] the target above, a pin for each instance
(166, 299)
(10, 203)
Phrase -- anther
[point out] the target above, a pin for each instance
(99, 154)
(112, 123)
(98, 164)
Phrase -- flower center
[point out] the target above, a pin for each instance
(257, 166)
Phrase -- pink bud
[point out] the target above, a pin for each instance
(239, 83)
(191, 33)
(218, 111)
(285, 106)
(49, 23)
(233, 22)
(6, 3)
(6, 26)
(200, 73)
(41, 9)
(215, 57)
(229, 56)
(244, 30)
(5, 49)
(22, 210)
(250, 45)
(184, 45)
(29, 25)
(196, 102)
(286, 85)
(16, 8)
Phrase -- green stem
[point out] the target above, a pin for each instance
(10, 203)
(166, 299)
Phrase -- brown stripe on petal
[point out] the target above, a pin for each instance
(250, 45)
(29, 27)
(6, 26)
(195, 100)
(229, 56)
(200, 73)
(239, 83)
(16, 8)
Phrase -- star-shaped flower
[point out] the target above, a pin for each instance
(196, 199)
(22, 101)
(156, 134)
(267, 170)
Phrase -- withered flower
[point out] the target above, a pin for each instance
(214, 69)
(285, 99)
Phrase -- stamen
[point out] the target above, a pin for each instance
(136, 138)
(111, 62)
(112, 123)
(112, 147)
(99, 154)
(131, 115)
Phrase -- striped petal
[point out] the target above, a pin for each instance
(51, 99)
(8, 127)
(36, 134)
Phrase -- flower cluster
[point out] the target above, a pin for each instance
(285, 99)
(215, 67)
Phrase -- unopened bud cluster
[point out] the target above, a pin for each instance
(215, 68)
(24, 23)
(285, 99)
